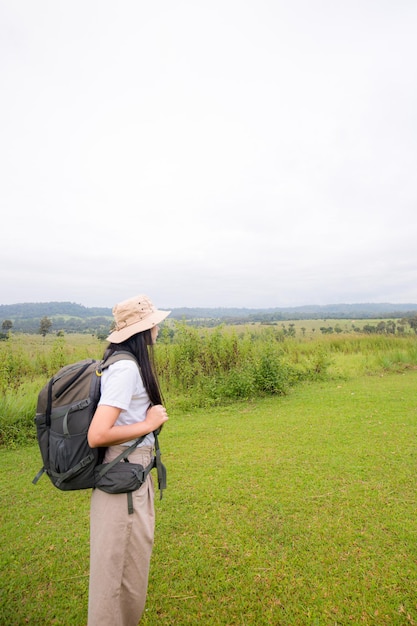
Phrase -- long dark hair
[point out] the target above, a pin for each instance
(141, 346)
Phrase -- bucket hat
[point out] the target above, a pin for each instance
(134, 316)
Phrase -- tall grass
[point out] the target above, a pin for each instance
(200, 367)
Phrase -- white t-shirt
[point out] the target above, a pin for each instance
(122, 387)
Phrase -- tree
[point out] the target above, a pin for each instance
(45, 326)
(413, 322)
(381, 327)
(291, 330)
(7, 325)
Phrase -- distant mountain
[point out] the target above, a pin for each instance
(40, 309)
(67, 316)
(328, 311)
(72, 317)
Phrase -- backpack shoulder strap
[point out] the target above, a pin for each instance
(120, 355)
(160, 467)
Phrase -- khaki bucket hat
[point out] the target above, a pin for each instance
(134, 316)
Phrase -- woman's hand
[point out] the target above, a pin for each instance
(156, 416)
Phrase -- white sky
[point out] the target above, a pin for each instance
(256, 153)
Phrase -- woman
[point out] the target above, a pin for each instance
(130, 407)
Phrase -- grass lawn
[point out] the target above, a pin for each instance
(288, 511)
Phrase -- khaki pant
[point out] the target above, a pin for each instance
(120, 550)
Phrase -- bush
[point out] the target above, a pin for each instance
(272, 375)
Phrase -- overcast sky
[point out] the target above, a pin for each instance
(254, 153)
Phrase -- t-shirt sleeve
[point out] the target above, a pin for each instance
(118, 384)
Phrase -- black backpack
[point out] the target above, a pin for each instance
(66, 405)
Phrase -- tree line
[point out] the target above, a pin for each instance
(100, 327)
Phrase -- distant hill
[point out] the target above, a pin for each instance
(65, 316)
(40, 309)
(72, 317)
(312, 311)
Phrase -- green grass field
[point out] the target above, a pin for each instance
(294, 510)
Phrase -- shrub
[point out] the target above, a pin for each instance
(272, 375)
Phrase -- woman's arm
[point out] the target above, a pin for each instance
(103, 432)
